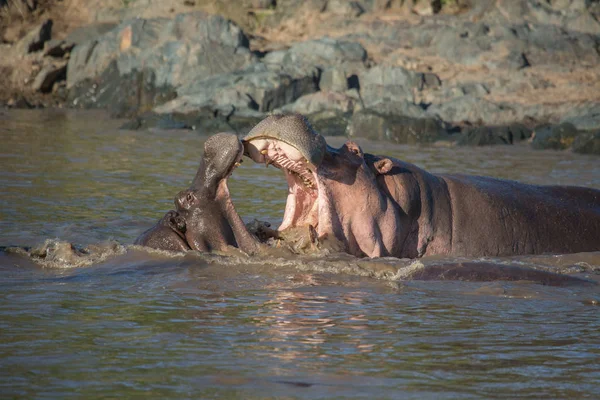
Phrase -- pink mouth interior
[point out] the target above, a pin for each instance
(303, 192)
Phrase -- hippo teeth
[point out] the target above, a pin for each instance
(297, 169)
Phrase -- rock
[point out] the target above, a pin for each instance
(474, 110)
(256, 89)
(57, 48)
(334, 80)
(556, 137)
(424, 8)
(507, 45)
(587, 143)
(384, 83)
(345, 8)
(123, 95)
(319, 102)
(429, 80)
(170, 48)
(154, 57)
(491, 135)
(400, 108)
(397, 129)
(444, 94)
(45, 79)
(584, 118)
(322, 53)
(330, 122)
(18, 102)
(35, 39)
(89, 33)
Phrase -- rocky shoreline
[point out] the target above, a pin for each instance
(464, 73)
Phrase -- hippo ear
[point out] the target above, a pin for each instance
(354, 148)
(383, 166)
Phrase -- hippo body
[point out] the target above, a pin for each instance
(378, 206)
(167, 234)
(463, 215)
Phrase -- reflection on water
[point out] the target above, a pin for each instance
(153, 325)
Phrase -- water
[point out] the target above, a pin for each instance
(144, 324)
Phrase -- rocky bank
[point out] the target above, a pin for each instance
(456, 72)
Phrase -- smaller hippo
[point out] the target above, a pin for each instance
(167, 234)
(206, 210)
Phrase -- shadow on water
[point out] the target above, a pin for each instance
(114, 320)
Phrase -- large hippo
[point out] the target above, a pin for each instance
(378, 206)
(205, 219)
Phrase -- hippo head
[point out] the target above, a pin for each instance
(330, 189)
(222, 154)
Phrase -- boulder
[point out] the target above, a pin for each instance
(345, 8)
(321, 101)
(255, 89)
(397, 129)
(491, 135)
(35, 39)
(334, 80)
(330, 122)
(49, 74)
(393, 85)
(123, 95)
(556, 137)
(159, 55)
(586, 117)
(321, 53)
(587, 143)
(507, 44)
(474, 110)
(89, 33)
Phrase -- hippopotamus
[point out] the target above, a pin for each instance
(379, 206)
(167, 234)
(205, 219)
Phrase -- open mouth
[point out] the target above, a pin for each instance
(237, 162)
(302, 206)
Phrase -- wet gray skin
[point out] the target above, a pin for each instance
(378, 206)
(207, 228)
(205, 209)
(167, 234)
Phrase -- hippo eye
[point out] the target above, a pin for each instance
(189, 197)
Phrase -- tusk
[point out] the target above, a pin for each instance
(264, 151)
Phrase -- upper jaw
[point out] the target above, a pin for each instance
(294, 135)
(282, 155)
(237, 161)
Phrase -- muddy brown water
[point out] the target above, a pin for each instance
(145, 324)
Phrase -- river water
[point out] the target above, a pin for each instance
(136, 323)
